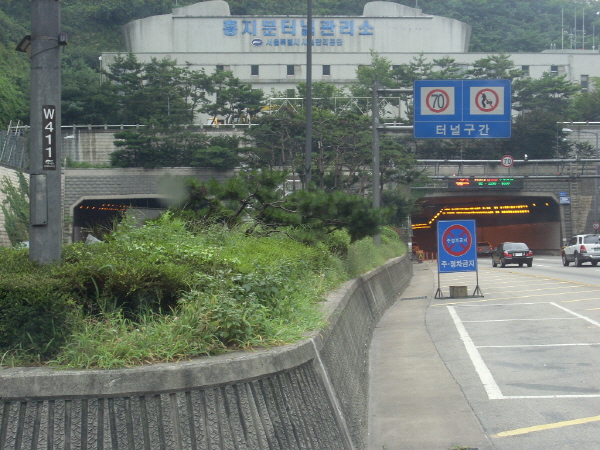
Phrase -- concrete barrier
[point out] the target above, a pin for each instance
(308, 395)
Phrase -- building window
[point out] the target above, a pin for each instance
(525, 70)
(291, 69)
(585, 82)
(220, 67)
(553, 70)
(327, 70)
(254, 70)
(396, 67)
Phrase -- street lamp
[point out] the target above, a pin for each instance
(568, 130)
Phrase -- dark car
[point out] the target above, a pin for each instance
(512, 253)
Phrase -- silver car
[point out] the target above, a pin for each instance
(582, 248)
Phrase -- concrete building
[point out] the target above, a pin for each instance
(270, 51)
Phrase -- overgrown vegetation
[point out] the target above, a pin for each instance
(172, 290)
(15, 208)
(233, 265)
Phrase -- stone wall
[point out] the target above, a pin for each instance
(309, 395)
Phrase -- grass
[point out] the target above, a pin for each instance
(164, 293)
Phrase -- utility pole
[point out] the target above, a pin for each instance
(375, 127)
(376, 165)
(45, 230)
(308, 142)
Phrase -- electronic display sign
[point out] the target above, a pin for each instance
(485, 183)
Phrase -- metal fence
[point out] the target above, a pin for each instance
(14, 147)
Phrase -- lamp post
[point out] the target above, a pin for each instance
(568, 130)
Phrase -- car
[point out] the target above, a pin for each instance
(484, 249)
(512, 253)
(582, 248)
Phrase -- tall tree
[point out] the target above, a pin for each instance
(380, 71)
(550, 93)
(497, 66)
(232, 98)
(278, 140)
(586, 105)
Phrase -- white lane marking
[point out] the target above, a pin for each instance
(512, 397)
(587, 319)
(518, 320)
(583, 344)
(490, 385)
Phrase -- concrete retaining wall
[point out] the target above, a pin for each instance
(309, 395)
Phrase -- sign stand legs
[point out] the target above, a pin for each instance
(477, 292)
(439, 293)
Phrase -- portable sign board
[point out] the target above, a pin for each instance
(457, 246)
(462, 109)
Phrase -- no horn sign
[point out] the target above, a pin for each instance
(457, 246)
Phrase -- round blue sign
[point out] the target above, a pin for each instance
(457, 240)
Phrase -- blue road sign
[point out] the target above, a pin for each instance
(457, 246)
(462, 109)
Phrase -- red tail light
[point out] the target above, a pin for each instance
(582, 249)
(506, 254)
(529, 253)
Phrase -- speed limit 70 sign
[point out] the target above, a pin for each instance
(462, 109)
(507, 161)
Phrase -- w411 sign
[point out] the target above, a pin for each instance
(462, 109)
(49, 137)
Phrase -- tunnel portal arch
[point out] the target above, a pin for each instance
(532, 217)
(98, 216)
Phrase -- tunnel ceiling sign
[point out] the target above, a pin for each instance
(462, 109)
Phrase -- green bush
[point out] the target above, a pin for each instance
(364, 255)
(169, 291)
(36, 314)
(140, 268)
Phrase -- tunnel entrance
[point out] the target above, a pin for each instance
(534, 220)
(98, 216)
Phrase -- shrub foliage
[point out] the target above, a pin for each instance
(171, 290)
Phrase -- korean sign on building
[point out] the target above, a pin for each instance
(462, 109)
(293, 32)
